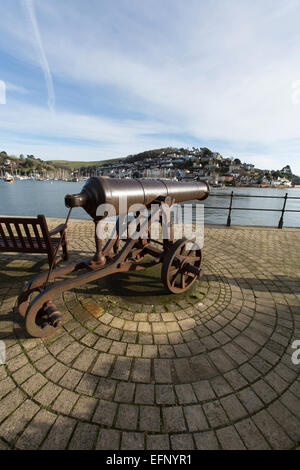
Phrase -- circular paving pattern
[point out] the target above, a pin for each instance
(135, 368)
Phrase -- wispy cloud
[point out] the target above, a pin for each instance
(29, 6)
(15, 88)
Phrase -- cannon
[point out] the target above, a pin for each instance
(181, 259)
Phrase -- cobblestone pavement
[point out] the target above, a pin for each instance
(209, 370)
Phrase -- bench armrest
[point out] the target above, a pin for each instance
(57, 229)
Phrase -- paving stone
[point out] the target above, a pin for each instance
(203, 391)
(87, 384)
(150, 418)
(108, 439)
(84, 408)
(215, 414)
(250, 400)
(195, 418)
(16, 362)
(65, 402)
(173, 419)
(165, 395)
(229, 439)
(125, 392)
(36, 431)
(221, 361)
(150, 351)
(70, 353)
(141, 371)
(182, 442)
(121, 369)
(56, 372)
(158, 442)
(181, 350)
(206, 441)
(286, 419)
(34, 383)
(48, 394)
(251, 436)
(45, 363)
(236, 380)
(166, 351)
(103, 344)
(17, 421)
(291, 402)
(105, 413)
(272, 431)
(132, 441)
(103, 364)
(185, 394)
(85, 359)
(144, 394)
(233, 408)
(71, 379)
(220, 386)
(162, 370)
(201, 368)
(105, 389)
(118, 348)
(6, 386)
(145, 338)
(84, 437)
(127, 417)
(264, 391)
(60, 434)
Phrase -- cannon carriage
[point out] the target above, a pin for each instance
(181, 259)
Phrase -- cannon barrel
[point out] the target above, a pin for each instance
(99, 190)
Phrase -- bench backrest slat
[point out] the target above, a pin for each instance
(20, 235)
(37, 236)
(44, 228)
(3, 236)
(11, 234)
(28, 235)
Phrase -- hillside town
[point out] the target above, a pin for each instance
(201, 164)
(169, 163)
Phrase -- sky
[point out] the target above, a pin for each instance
(96, 79)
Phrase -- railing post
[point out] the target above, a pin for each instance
(280, 223)
(230, 209)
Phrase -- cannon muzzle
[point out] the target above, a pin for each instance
(98, 190)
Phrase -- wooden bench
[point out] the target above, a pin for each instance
(31, 235)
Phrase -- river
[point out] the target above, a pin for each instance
(29, 198)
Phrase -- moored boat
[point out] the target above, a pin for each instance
(8, 178)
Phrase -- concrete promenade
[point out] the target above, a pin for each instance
(134, 368)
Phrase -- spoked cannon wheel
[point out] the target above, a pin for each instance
(181, 266)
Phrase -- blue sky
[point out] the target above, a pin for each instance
(96, 79)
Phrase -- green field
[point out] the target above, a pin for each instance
(77, 165)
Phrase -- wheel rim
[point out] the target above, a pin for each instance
(174, 275)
